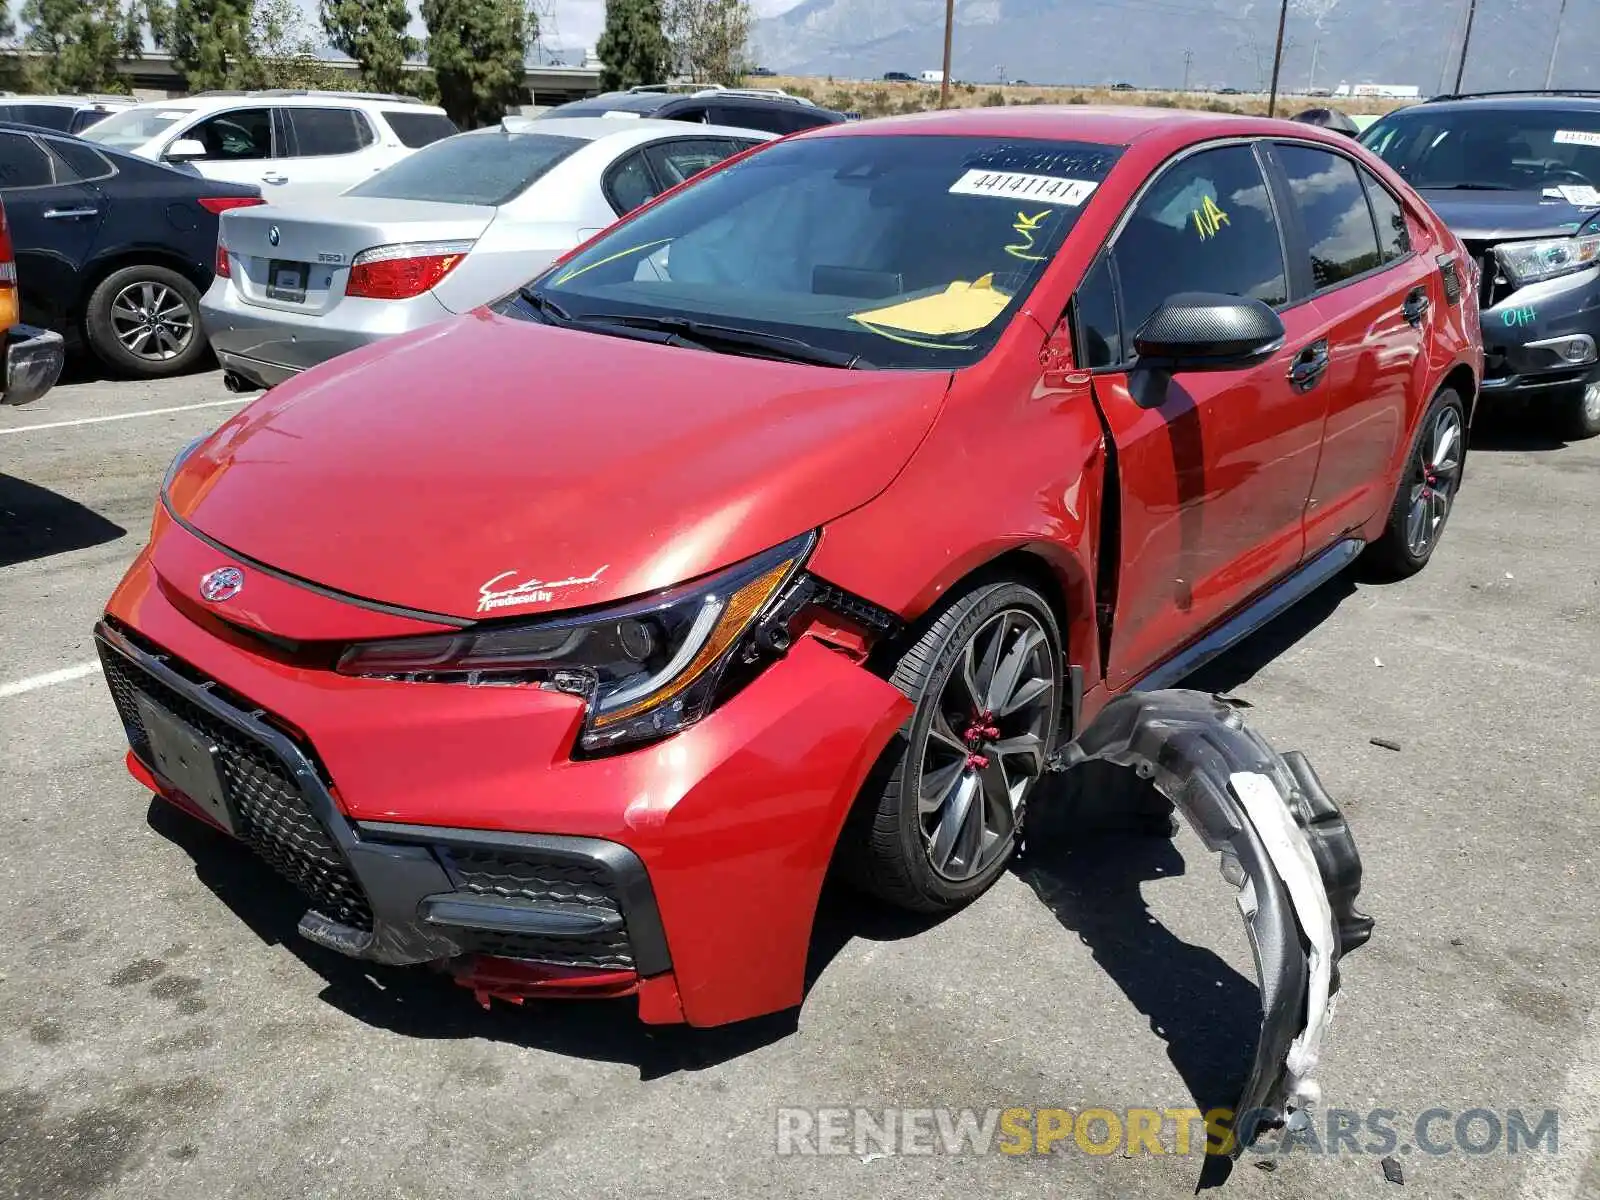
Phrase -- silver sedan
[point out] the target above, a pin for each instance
(455, 225)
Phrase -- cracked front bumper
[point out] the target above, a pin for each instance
(1284, 845)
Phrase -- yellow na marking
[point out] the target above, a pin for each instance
(1209, 219)
(1027, 226)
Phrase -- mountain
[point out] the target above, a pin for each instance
(1230, 41)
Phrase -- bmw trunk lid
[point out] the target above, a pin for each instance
(297, 258)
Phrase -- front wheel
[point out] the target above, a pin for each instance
(986, 676)
(144, 320)
(1427, 490)
(1582, 414)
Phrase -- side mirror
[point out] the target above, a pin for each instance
(185, 150)
(1207, 331)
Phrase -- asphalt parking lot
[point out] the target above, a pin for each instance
(164, 1032)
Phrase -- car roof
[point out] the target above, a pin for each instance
(204, 101)
(1511, 101)
(1110, 125)
(643, 129)
(79, 101)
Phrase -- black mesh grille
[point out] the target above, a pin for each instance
(276, 822)
(544, 879)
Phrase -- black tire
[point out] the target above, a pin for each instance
(1396, 553)
(177, 318)
(1581, 413)
(886, 849)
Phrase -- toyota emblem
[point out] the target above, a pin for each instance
(273, 235)
(222, 584)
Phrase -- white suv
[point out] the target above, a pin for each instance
(292, 145)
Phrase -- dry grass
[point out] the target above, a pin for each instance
(874, 98)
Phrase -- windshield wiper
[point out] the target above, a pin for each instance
(543, 305)
(729, 337)
(1465, 187)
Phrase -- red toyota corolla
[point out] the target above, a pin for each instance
(800, 517)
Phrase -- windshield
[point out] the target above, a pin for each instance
(1498, 149)
(487, 168)
(907, 251)
(132, 128)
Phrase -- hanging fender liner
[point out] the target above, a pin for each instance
(1284, 845)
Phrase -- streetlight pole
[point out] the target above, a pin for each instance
(1550, 71)
(949, 29)
(1466, 40)
(1277, 59)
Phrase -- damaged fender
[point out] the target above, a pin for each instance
(1284, 845)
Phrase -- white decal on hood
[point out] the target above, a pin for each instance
(530, 591)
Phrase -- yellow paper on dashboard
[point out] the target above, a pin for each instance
(961, 308)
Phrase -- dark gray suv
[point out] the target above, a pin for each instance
(1517, 177)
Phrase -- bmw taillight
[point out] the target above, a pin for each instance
(403, 270)
(10, 310)
(222, 270)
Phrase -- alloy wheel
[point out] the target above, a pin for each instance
(152, 321)
(985, 744)
(1434, 488)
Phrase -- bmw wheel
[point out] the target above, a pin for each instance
(986, 675)
(145, 320)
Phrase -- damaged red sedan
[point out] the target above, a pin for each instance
(810, 515)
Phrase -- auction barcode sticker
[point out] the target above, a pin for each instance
(1577, 137)
(1012, 185)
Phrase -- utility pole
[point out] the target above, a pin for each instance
(1466, 40)
(1277, 59)
(1316, 46)
(1188, 57)
(1550, 71)
(949, 29)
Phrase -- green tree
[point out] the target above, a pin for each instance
(210, 40)
(374, 33)
(478, 51)
(709, 39)
(283, 52)
(632, 48)
(80, 42)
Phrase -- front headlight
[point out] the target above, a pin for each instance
(647, 667)
(1529, 262)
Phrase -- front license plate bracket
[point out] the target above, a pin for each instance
(188, 760)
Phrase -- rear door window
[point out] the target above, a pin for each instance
(76, 161)
(628, 183)
(1333, 211)
(487, 168)
(46, 116)
(683, 158)
(244, 133)
(23, 163)
(325, 131)
(418, 129)
(698, 113)
(1206, 225)
(1394, 238)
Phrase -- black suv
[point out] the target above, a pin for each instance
(770, 112)
(1517, 176)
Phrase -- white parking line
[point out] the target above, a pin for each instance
(49, 678)
(148, 412)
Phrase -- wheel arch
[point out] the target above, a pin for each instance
(1461, 379)
(1055, 573)
(96, 272)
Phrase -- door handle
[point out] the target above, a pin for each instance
(70, 214)
(1416, 306)
(1309, 365)
(274, 177)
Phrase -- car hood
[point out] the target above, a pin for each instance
(1501, 216)
(489, 457)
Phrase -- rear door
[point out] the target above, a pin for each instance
(1214, 482)
(54, 221)
(1371, 295)
(327, 150)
